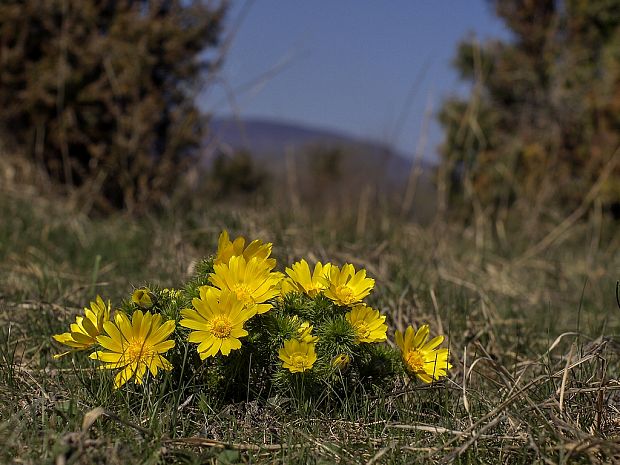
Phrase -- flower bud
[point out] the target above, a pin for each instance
(341, 362)
(142, 298)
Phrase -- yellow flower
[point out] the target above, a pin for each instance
(311, 284)
(86, 328)
(226, 250)
(135, 346)
(142, 298)
(341, 362)
(368, 324)
(287, 285)
(346, 287)
(297, 356)
(304, 333)
(423, 358)
(250, 281)
(171, 294)
(217, 319)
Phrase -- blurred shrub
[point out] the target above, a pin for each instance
(326, 164)
(236, 174)
(100, 93)
(543, 117)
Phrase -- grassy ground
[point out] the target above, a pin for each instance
(531, 319)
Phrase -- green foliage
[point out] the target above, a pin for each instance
(336, 336)
(541, 123)
(101, 93)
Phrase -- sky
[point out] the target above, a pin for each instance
(376, 70)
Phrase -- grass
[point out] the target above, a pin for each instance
(533, 337)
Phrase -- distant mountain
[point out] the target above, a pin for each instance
(262, 136)
(269, 141)
(321, 162)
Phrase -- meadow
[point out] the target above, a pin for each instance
(530, 316)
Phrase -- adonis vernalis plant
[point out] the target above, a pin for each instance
(297, 356)
(135, 345)
(83, 333)
(251, 281)
(300, 279)
(423, 358)
(217, 320)
(238, 326)
(346, 287)
(368, 324)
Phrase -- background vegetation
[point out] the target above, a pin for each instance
(519, 272)
(541, 126)
(101, 94)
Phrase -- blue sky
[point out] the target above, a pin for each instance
(368, 68)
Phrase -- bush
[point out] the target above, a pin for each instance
(239, 328)
(542, 122)
(101, 93)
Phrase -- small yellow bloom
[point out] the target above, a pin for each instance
(341, 362)
(304, 333)
(423, 358)
(171, 294)
(311, 284)
(346, 287)
(250, 281)
(142, 298)
(135, 346)
(297, 356)
(217, 319)
(85, 330)
(227, 249)
(368, 324)
(287, 285)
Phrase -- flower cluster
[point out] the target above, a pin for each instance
(346, 289)
(240, 317)
(133, 345)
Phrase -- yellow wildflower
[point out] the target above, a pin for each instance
(172, 295)
(304, 333)
(135, 346)
(86, 328)
(287, 285)
(217, 318)
(250, 281)
(423, 358)
(227, 249)
(341, 362)
(346, 287)
(297, 356)
(142, 298)
(368, 324)
(311, 284)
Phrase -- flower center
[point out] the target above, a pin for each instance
(299, 360)
(312, 288)
(346, 294)
(243, 293)
(221, 327)
(415, 360)
(362, 330)
(138, 350)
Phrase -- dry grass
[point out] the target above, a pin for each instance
(533, 336)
